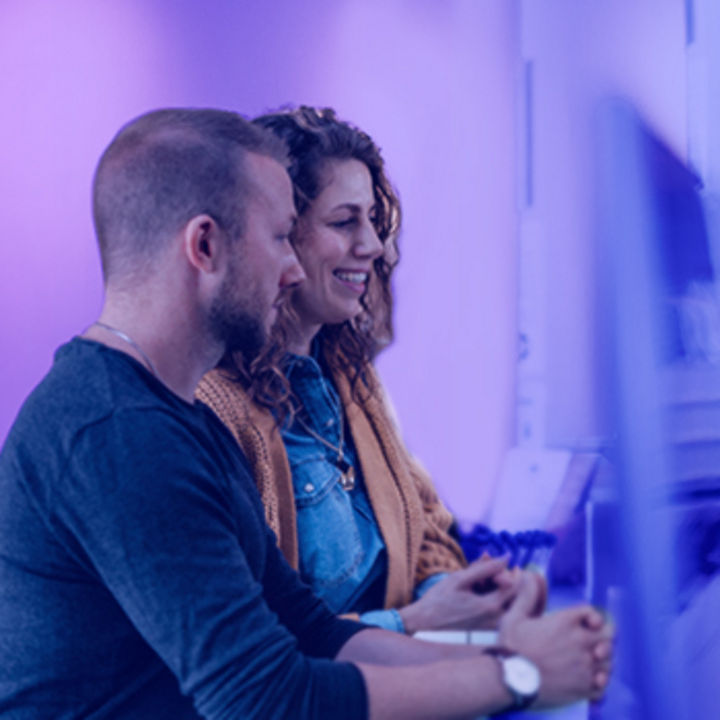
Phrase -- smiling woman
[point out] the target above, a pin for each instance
(336, 244)
(351, 508)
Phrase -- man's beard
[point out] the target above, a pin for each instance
(241, 328)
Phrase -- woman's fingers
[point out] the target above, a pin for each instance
(528, 596)
(482, 569)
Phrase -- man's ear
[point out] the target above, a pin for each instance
(203, 243)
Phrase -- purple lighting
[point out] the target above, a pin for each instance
(433, 83)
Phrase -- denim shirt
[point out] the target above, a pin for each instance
(342, 554)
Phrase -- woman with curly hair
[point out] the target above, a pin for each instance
(352, 510)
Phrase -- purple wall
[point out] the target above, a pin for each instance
(582, 52)
(433, 82)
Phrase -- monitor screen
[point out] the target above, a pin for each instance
(654, 530)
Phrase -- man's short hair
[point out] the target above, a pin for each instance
(166, 167)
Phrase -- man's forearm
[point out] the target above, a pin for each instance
(382, 647)
(441, 690)
(408, 678)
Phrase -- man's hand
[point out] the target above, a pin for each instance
(572, 648)
(473, 598)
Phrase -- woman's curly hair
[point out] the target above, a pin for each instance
(314, 137)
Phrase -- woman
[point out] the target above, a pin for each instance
(352, 510)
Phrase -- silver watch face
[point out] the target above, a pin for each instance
(521, 675)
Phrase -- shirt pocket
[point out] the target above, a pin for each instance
(328, 537)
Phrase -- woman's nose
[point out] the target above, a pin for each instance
(368, 243)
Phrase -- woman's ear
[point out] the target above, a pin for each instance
(203, 243)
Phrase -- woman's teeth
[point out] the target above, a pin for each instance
(357, 278)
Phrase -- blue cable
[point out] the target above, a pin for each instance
(522, 547)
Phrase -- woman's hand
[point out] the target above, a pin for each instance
(572, 647)
(473, 598)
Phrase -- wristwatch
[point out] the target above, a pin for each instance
(519, 675)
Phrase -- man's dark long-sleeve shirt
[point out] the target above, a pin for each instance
(137, 576)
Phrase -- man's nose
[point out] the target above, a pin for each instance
(293, 274)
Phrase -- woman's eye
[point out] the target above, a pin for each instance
(347, 222)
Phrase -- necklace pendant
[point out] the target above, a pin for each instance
(347, 478)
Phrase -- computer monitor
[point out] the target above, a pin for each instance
(660, 378)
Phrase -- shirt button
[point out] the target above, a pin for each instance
(309, 487)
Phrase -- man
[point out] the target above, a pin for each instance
(137, 576)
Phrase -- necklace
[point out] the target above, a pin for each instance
(347, 471)
(130, 342)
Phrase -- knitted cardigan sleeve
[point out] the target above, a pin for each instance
(438, 551)
(255, 431)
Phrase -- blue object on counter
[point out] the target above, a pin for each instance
(522, 548)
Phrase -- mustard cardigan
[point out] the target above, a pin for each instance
(412, 519)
